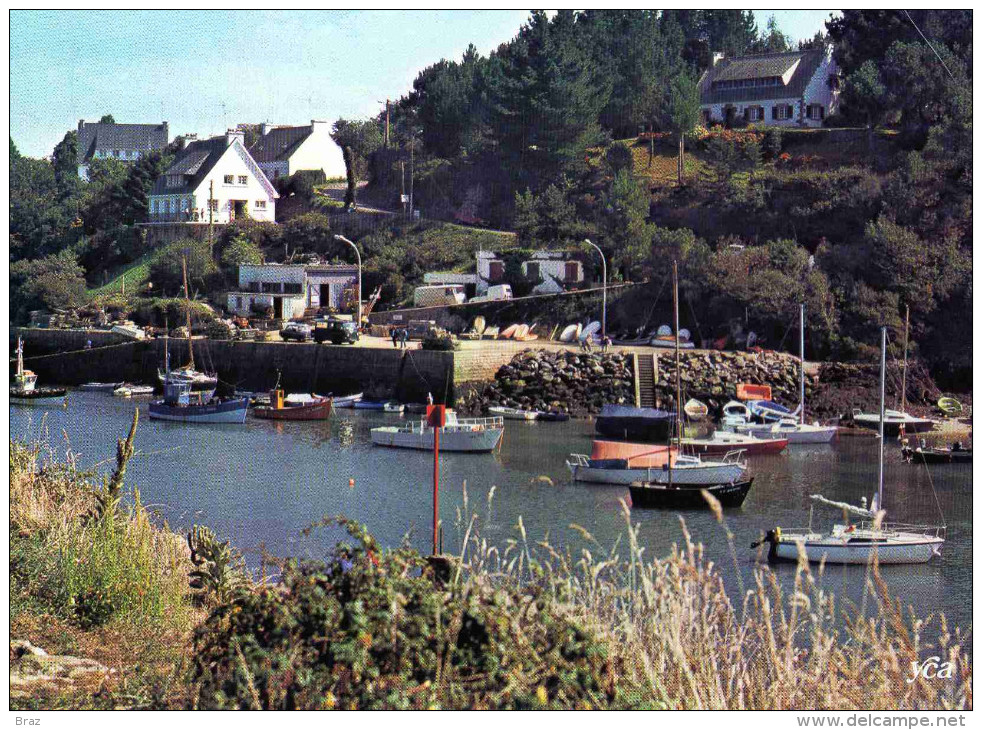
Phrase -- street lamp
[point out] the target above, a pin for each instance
(603, 260)
(358, 255)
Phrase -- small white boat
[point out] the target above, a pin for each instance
(589, 331)
(393, 407)
(696, 410)
(130, 330)
(570, 333)
(893, 421)
(128, 391)
(347, 401)
(513, 414)
(459, 434)
(99, 387)
(787, 428)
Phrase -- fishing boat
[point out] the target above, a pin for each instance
(459, 434)
(180, 403)
(127, 390)
(722, 442)
(695, 410)
(513, 414)
(197, 381)
(25, 392)
(100, 387)
(347, 401)
(924, 454)
(687, 496)
(682, 484)
(870, 539)
(635, 424)
(295, 407)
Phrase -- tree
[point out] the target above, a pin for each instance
(625, 207)
(682, 113)
(107, 119)
(240, 250)
(362, 136)
(864, 93)
(166, 272)
(772, 40)
(53, 282)
(65, 162)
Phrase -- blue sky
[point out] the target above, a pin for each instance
(203, 71)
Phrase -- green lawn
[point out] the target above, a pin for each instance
(137, 274)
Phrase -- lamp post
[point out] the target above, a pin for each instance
(603, 260)
(358, 255)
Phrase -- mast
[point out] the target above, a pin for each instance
(20, 356)
(187, 302)
(883, 391)
(678, 374)
(903, 385)
(801, 327)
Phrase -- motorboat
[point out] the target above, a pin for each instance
(458, 434)
(294, 407)
(893, 422)
(787, 428)
(127, 390)
(513, 414)
(100, 387)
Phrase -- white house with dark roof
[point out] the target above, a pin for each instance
(282, 151)
(799, 88)
(124, 142)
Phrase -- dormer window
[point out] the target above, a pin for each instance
(173, 181)
(243, 179)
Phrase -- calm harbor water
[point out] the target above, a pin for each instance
(264, 481)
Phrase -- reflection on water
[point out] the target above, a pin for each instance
(265, 481)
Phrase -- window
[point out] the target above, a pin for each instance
(782, 112)
(291, 287)
(532, 270)
(213, 205)
(753, 114)
(238, 303)
(260, 205)
(230, 179)
(243, 179)
(816, 111)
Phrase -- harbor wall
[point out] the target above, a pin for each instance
(59, 357)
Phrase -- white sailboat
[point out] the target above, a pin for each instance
(872, 538)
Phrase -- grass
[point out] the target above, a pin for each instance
(524, 625)
(137, 274)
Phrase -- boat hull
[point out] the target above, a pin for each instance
(891, 427)
(757, 447)
(915, 551)
(798, 435)
(688, 496)
(688, 475)
(634, 424)
(100, 387)
(457, 441)
(230, 411)
(347, 401)
(318, 411)
(513, 414)
(937, 456)
(39, 397)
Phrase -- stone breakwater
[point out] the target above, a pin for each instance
(581, 383)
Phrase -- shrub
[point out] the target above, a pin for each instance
(219, 330)
(443, 342)
(772, 143)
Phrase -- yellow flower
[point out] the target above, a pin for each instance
(542, 696)
(330, 701)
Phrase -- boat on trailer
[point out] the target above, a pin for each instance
(871, 539)
(459, 434)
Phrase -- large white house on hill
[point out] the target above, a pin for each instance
(211, 182)
(796, 89)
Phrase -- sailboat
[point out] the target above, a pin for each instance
(667, 490)
(25, 391)
(896, 422)
(851, 544)
(199, 382)
(792, 426)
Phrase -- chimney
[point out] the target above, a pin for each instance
(233, 135)
(318, 125)
(81, 123)
(717, 57)
(265, 128)
(166, 133)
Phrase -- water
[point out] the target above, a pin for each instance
(263, 482)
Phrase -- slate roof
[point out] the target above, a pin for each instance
(94, 136)
(279, 143)
(193, 163)
(764, 65)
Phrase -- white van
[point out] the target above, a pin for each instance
(495, 293)
(439, 295)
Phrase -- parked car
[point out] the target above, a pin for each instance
(297, 331)
(336, 332)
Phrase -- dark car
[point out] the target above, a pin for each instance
(295, 331)
(336, 332)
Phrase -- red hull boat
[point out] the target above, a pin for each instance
(723, 442)
(316, 409)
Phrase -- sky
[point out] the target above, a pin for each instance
(205, 71)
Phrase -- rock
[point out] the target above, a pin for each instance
(34, 672)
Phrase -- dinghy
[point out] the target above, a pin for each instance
(555, 416)
(769, 411)
(479, 325)
(569, 333)
(513, 414)
(696, 410)
(128, 391)
(99, 387)
(751, 391)
(589, 331)
(347, 401)
(950, 407)
(509, 332)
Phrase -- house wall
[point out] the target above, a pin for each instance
(318, 152)
(270, 274)
(240, 303)
(816, 92)
(326, 288)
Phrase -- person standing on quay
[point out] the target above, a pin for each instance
(405, 338)
(395, 337)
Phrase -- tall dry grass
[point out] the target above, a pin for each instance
(672, 622)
